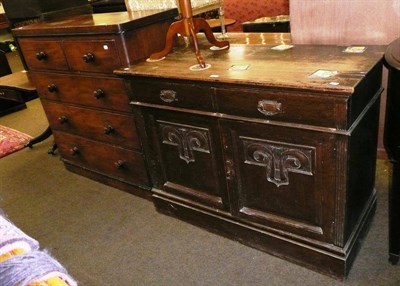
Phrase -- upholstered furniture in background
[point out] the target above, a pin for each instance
(239, 10)
(249, 10)
(199, 6)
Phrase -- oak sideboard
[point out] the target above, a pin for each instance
(270, 145)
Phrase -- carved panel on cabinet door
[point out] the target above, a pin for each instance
(279, 183)
(278, 159)
(187, 139)
(190, 157)
(284, 178)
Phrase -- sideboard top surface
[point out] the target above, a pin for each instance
(102, 23)
(261, 65)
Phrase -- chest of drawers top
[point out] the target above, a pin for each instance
(93, 43)
(103, 23)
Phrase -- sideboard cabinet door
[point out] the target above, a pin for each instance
(284, 178)
(185, 154)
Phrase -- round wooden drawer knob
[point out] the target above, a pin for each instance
(41, 56)
(88, 58)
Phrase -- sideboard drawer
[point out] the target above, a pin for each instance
(286, 107)
(92, 55)
(41, 54)
(112, 161)
(99, 92)
(175, 95)
(112, 128)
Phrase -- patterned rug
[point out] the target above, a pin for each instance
(11, 140)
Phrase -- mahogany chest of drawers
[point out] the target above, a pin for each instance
(273, 148)
(71, 62)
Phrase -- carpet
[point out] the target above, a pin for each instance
(11, 140)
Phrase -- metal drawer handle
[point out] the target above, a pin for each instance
(269, 107)
(168, 95)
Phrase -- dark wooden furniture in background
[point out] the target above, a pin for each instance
(277, 24)
(3, 21)
(392, 145)
(106, 6)
(255, 149)
(5, 68)
(15, 88)
(215, 24)
(24, 10)
(71, 63)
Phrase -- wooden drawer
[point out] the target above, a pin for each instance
(43, 54)
(112, 128)
(92, 55)
(186, 95)
(99, 92)
(274, 105)
(108, 160)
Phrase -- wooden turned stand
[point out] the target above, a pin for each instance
(189, 27)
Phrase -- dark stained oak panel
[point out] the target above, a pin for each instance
(291, 156)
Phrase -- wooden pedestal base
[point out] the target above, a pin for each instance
(189, 27)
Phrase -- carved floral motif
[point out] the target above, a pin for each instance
(186, 138)
(279, 159)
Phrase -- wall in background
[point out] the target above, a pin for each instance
(347, 22)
